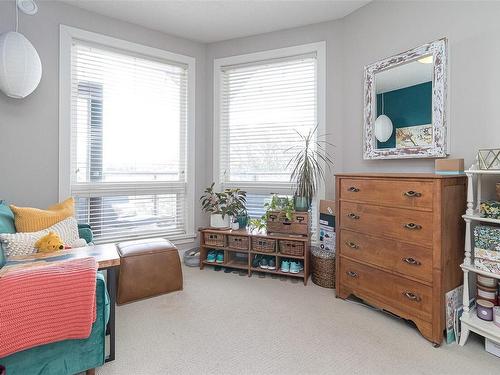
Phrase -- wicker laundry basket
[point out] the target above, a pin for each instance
(323, 267)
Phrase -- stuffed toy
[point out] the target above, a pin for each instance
(49, 243)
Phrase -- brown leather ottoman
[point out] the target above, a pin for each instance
(147, 268)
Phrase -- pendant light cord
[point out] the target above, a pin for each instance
(383, 103)
(17, 17)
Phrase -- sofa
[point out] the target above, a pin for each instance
(68, 356)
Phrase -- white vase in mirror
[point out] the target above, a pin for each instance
(217, 221)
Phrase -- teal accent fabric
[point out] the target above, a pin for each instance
(6, 219)
(65, 357)
(85, 232)
(406, 107)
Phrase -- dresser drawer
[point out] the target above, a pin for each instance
(407, 259)
(404, 295)
(402, 193)
(413, 226)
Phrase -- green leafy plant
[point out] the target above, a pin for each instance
(228, 202)
(258, 224)
(277, 203)
(308, 164)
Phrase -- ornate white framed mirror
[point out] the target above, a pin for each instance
(406, 103)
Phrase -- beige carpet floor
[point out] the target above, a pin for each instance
(230, 324)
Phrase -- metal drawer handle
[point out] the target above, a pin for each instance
(412, 194)
(413, 226)
(353, 216)
(352, 274)
(412, 296)
(352, 245)
(353, 189)
(412, 261)
(300, 218)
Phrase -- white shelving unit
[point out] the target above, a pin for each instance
(469, 319)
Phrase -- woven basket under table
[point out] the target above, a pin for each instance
(323, 267)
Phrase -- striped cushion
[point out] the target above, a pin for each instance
(23, 243)
(29, 219)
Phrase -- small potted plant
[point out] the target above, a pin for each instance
(308, 168)
(222, 205)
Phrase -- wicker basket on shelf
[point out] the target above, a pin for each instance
(293, 248)
(237, 242)
(323, 267)
(214, 239)
(264, 245)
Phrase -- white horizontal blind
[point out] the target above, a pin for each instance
(128, 143)
(262, 108)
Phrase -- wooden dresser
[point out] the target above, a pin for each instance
(400, 241)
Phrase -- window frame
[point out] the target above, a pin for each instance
(67, 36)
(318, 48)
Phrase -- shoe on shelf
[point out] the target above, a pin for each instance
(285, 266)
(271, 264)
(211, 256)
(301, 266)
(263, 263)
(256, 261)
(220, 257)
(294, 267)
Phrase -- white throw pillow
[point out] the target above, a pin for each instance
(23, 243)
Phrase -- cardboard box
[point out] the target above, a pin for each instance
(327, 225)
(327, 207)
(449, 166)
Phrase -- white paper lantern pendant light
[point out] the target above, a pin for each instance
(20, 65)
(383, 126)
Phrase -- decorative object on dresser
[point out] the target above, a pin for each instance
(449, 166)
(482, 258)
(410, 89)
(240, 247)
(398, 243)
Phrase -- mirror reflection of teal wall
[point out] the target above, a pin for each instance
(406, 107)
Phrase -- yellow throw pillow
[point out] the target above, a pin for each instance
(29, 219)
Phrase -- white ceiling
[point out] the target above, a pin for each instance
(210, 21)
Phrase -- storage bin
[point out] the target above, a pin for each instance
(214, 239)
(323, 267)
(490, 209)
(484, 310)
(237, 242)
(293, 248)
(486, 281)
(264, 245)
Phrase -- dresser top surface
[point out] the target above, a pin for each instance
(400, 175)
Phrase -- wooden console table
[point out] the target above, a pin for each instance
(231, 261)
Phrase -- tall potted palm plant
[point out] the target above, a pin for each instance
(308, 167)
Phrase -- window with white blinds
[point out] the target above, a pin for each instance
(129, 150)
(263, 101)
(263, 107)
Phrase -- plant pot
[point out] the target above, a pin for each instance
(235, 225)
(242, 220)
(216, 221)
(301, 204)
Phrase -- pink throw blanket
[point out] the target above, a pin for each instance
(45, 303)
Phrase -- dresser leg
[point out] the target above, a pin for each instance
(464, 336)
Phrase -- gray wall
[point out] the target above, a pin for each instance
(381, 29)
(29, 127)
